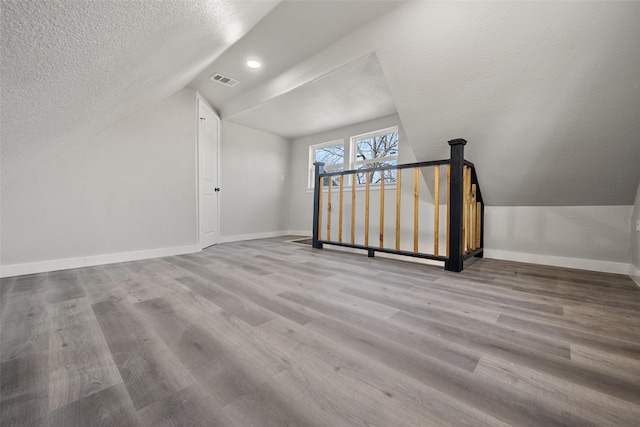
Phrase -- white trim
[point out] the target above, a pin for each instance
(558, 261)
(264, 235)
(313, 148)
(301, 233)
(88, 261)
(384, 131)
(634, 273)
(353, 162)
(202, 102)
(219, 171)
(327, 144)
(252, 236)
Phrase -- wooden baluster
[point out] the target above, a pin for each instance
(416, 195)
(366, 208)
(398, 192)
(448, 204)
(473, 217)
(465, 211)
(341, 208)
(478, 223)
(436, 209)
(329, 208)
(320, 209)
(353, 208)
(468, 210)
(382, 210)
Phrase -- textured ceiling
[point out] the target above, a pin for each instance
(70, 68)
(547, 93)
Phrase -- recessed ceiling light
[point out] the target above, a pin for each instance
(253, 64)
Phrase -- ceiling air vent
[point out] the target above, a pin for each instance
(227, 81)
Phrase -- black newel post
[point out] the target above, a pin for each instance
(317, 188)
(457, 200)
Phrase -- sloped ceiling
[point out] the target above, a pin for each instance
(547, 93)
(290, 34)
(353, 93)
(70, 68)
(298, 91)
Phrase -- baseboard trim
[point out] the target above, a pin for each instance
(301, 233)
(557, 261)
(69, 263)
(634, 273)
(264, 235)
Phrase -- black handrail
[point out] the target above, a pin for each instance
(386, 168)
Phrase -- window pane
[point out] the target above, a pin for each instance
(377, 146)
(390, 176)
(329, 155)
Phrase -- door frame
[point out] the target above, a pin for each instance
(200, 103)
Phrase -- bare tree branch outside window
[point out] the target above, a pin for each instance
(383, 147)
(333, 158)
(330, 155)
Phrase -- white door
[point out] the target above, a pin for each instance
(208, 189)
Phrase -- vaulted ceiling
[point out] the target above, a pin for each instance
(72, 68)
(547, 93)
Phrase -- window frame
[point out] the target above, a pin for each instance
(354, 162)
(328, 168)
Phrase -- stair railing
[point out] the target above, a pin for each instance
(464, 209)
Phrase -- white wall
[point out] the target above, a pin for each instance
(254, 183)
(127, 192)
(586, 237)
(635, 240)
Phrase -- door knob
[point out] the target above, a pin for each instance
(216, 189)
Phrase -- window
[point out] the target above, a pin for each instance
(372, 150)
(369, 150)
(329, 153)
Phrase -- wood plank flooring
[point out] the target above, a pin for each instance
(274, 333)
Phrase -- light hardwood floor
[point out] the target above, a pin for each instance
(273, 333)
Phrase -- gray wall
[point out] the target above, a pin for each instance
(635, 239)
(254, 183)
(128, 188)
